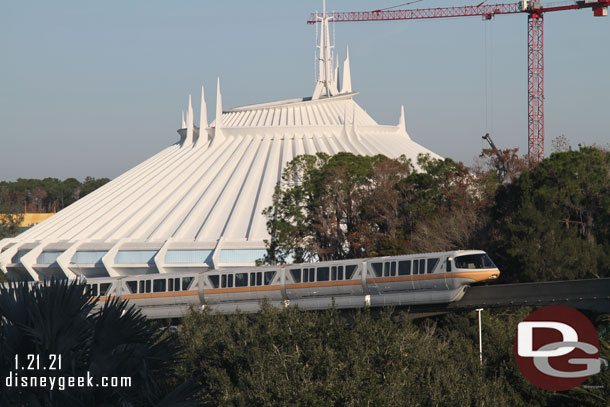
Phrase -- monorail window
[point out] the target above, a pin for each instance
(159, 285)
(296, 275)
(336, 273)
(214, 280)
(269, 277)
(256, 279)
(174, 284)
(349, 271)
(474, 261)
(141, 290)
(448, 267)
(230, 281)
(309, 274)
(148, 285)
(186, 282)
(389, 269)
(323, 274)
(132, 286)
(224, 281)
(404, 268)
(415, 267)
(432, 265)
(241, 280)
(377, 267)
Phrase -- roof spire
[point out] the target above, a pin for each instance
(325, 86)
(203, 136)
(183, 123)
(189, 123)
(203, 118)
(218, 136)
(401, 121)
(346, 83)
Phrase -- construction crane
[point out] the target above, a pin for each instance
(535, 45)
(501, 161)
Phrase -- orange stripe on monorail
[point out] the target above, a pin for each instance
(324, 284)
(99, 299)
(241, 289)
(472, 275)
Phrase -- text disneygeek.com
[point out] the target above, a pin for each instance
(52, 363)
(15, 380)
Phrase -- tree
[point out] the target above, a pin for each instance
(10, 219)
(57, 320)
(344, 206)
(553, 222)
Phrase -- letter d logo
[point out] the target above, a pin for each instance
(525, 338)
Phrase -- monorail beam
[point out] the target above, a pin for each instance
(593, 295)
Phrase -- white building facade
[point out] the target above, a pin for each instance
(198, 203)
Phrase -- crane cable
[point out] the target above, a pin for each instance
(399, 5)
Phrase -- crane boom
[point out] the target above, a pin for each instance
(486, 10)
(422, 13)
(535, 44)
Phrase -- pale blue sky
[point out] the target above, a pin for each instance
(94, 88)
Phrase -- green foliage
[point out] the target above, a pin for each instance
(554, 221)
(57, 318)
(295, 358)
(343, 206)
(446, 207)
(45, 195)
(10, 218)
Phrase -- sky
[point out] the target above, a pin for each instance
(94, 88)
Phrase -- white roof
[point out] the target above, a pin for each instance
(204, 193)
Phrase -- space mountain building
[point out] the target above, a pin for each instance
(198, 203)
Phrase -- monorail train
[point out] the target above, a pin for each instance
(394, 280)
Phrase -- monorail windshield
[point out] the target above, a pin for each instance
(474, 261)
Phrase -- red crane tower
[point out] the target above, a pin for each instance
(535, 45)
